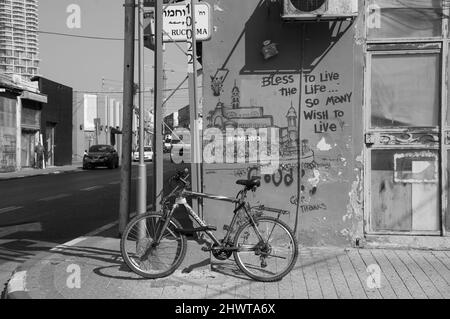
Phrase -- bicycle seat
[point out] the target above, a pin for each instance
(249, 183)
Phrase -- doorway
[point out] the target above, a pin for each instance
(403, 130)
(50, 144)
(28, 142)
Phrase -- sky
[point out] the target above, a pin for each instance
(81, 63)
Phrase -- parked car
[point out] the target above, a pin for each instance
(101, 155)
(148, 154)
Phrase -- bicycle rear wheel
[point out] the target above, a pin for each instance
(269, 258)
(143, 255)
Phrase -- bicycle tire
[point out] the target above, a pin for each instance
(253, 270)
(150, 250)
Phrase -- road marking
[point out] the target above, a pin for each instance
(91, 188)
(101, 229)
(46, 199)
(9, 209)
(6, 230)
(68, 244)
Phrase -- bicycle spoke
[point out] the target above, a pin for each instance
(268, 252)
(170, 233)
(276, 256)
(146, 257)
(147, 232)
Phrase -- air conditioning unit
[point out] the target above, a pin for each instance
(319, 9)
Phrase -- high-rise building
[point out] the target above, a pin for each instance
(19, 37)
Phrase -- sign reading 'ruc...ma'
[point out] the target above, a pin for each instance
(174, 22)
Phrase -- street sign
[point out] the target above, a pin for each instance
(174, 22)
(151, 3)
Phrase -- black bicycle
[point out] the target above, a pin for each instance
(154, 244)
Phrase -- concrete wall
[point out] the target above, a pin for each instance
(310, 91)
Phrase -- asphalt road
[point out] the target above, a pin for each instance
(38, 213)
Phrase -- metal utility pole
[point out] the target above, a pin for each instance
(158, 116)
(142, 181)
(192, 75)
(127, 119)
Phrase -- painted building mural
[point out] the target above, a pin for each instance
(357, 108)
(305, 91)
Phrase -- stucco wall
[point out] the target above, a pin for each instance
(315, 82)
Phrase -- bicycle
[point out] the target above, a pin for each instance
(154, 245)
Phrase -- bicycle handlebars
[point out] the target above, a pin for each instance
(181, 176)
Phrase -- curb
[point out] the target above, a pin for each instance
(77, 170)
(16, 286)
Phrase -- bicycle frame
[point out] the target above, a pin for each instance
(181, 200)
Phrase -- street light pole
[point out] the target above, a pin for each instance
(196, 157)
(127, 120)
(158, 114)
(142, 181)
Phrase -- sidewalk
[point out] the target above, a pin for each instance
(320, 273)
(27, 172)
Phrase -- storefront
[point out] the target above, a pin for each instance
(360, 107)
(20, 131)
(8, 134)
(30, 127)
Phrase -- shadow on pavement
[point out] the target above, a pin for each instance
(229, 269)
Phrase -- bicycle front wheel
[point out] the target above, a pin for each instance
(266, 251)
(146, 257)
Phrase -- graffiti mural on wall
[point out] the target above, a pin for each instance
(217, 81)
(237, 116)
(324, 101)
(280, 81)
(319, 164)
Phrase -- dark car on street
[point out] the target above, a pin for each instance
(101, 155)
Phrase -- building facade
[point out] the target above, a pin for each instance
(97, 119)
(19, 37)
(20, 123)
(357, 92)
(56, 122)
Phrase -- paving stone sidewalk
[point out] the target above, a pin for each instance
(329, 272)
(28, 172)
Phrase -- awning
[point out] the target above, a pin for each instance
(27, 95)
